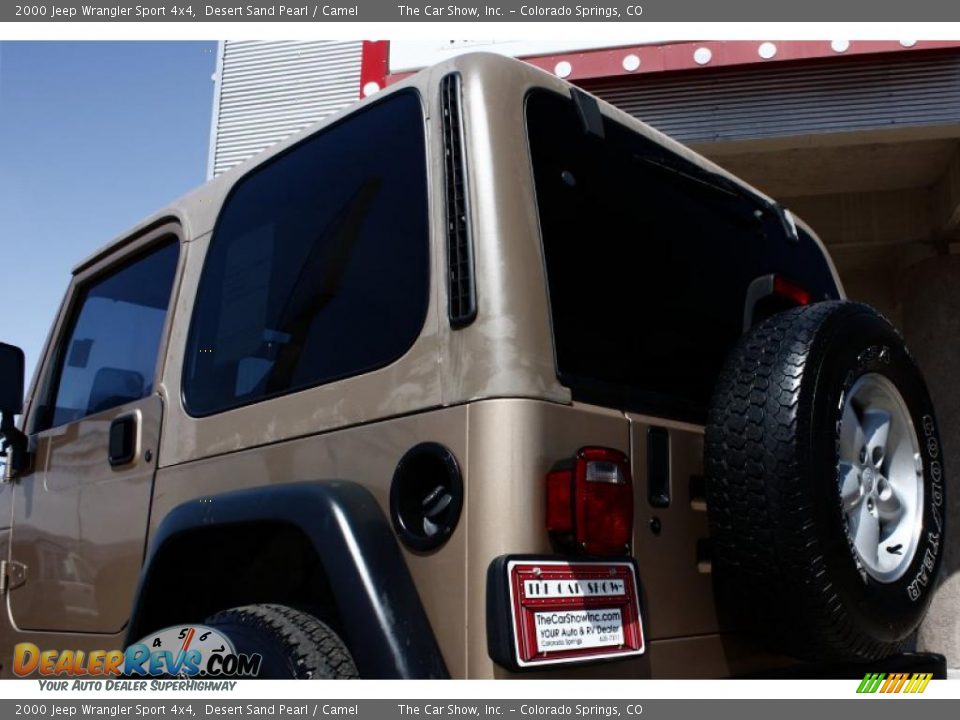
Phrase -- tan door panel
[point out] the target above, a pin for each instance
(678, 591)
(79, 524)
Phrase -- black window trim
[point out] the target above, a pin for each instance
(424, 116)
(586, 389)
(592, 390)
(168, 231)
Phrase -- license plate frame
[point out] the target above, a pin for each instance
(564, 611)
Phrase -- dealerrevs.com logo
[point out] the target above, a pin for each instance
(184, 651)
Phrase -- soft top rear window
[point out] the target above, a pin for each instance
(648, 263)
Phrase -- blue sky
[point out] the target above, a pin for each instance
(93, 137)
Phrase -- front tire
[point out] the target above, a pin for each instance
(293, 644)
(825, 485)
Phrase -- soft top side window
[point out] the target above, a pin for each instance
(318, 268)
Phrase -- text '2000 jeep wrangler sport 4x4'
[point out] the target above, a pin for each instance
(479, 377)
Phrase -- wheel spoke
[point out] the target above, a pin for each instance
(867, 535)
(851, 493)
(876, 429)
(851, 434)
(889, 506)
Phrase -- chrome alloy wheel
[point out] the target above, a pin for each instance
(880, 476)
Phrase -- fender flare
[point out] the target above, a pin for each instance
(387, 630)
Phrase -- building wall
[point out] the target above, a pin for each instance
(872, 236)
(824, 96)
(931, 318)
(266, 91)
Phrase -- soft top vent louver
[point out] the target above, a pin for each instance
(461, 284)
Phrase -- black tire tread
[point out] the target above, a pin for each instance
(313, 648)
(767, 551)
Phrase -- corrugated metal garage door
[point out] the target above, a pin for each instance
(269, 90)
(842, 95)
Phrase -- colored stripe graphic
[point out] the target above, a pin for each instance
(894, 683)
(870, 683)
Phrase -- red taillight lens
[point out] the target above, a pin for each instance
(590, 502)
(791, 291)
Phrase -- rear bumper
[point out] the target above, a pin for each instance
(933, 663)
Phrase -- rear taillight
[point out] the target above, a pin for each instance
(790, 291)
(590, 502)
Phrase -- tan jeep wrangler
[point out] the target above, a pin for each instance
(479, 377)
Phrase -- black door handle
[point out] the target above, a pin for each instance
(658, 467)
(123, 440)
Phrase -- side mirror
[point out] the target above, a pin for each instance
(11, 380)
(13, 443)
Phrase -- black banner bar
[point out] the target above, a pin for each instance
(487, 11)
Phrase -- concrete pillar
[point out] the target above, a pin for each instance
(930, 305)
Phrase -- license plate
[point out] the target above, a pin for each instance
(568, 611)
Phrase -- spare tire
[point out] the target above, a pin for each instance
(825, 485)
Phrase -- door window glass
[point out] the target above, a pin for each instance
(110, 354)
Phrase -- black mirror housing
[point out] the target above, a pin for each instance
(11, 379)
